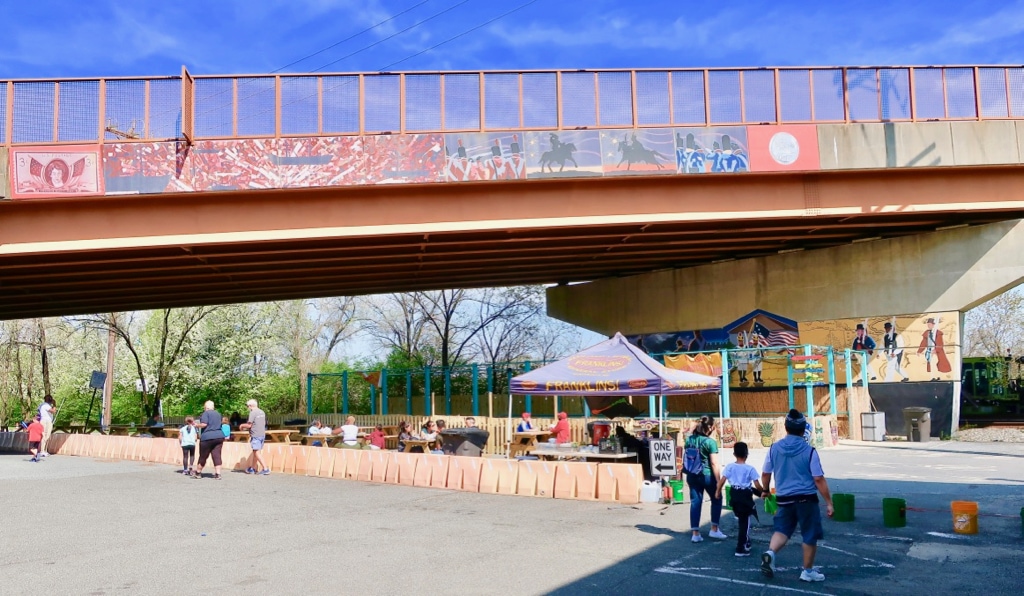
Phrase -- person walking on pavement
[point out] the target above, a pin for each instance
(798, 480)
(210, 441)
(47, 409)
(257, 427)
(702, 473)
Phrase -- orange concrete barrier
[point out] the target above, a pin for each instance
(439, 466)
(365, 467)
(278, 455)
(232, 455)
(619, 482)
(464, 473)
(410, 468)
(172, 451)
(327, 458)
(56, 443)
(288, 457)
(313, 458)
(576, 480)
(499, 476)
(536, 479)
(300, 454)
(380, 461)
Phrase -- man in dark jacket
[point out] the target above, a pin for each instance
(798, 480)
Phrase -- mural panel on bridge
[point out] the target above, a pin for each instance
(641, 151)
(563, 154)
(783, 148)
(55, 171)
(902, 348)
(484, 156)
(718, 149)
(146, 168)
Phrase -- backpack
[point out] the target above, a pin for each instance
(692, 462)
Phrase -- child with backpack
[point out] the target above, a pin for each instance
(188, 435)
(745, 481)
(700, 461)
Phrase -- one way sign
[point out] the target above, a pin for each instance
(663, 457)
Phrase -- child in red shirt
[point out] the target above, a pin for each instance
(377, 437)
(35, 437)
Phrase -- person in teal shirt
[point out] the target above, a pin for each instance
(706, 481)
(225, 427)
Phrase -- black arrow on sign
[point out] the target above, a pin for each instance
(663, 467)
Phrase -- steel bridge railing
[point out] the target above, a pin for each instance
(252, 106)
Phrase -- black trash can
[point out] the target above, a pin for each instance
(464, 441)
(918, 424)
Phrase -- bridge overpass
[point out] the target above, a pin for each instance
(156, 192)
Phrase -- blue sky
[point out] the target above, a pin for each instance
(92, 38)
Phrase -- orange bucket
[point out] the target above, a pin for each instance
(965, 517)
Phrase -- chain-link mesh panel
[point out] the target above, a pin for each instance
(124, 107)
(960, 95)
(165, 109)
(540, 100)
(724, 92)
(341, 104)
(462, 102)
(652, 99)
(579, 99)
(862, 94)
(3, 112)
(929, 101)
(615, 96)
(256, 106)
(501, 101)
(758, 96)
(895, 84)
(828, 94)
(993, 92)
(382, 103)
(1016, 78)
(79, 114)
(422, 102)
(213, 101)
(33, 112)
(688, 97)
(299, 105)
(795, 95)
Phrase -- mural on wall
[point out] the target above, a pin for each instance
(52, 171)
(758, 357)
(484, 156)
(720, 149)
(396, 159)
(783, 148)
(563, 154)
(902, 348)
(145, 168)
(639, 151)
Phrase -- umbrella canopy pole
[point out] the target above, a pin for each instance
(508, 451)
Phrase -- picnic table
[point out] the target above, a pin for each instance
(526, 441)
(70, 429)
(172, 432)
(120, 429)
(422, 444)
(325, 440)
(156, 431)
(550, 454)
(273, 436)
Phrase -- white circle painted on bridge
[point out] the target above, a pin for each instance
(784, 148)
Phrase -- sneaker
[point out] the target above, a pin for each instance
(250, 471)
(265, 472)
(34, 459)
(768, 564)
(742, 553)
(216, 476)
(717, 535)
(811, 575)
(697, 538)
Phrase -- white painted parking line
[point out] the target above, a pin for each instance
(877, 537)
(846, 552)
(728, 580)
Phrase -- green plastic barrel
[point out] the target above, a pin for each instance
(894, 513)
(726, 493)
(678, 490)
(844, 507)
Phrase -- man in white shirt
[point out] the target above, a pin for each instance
(47, 409)
(349, 431)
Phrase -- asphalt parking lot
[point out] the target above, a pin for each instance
(86, 526)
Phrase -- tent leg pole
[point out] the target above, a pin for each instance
(508, 448)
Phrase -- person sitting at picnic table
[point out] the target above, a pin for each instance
(155, 421)
(470, 422)
(404, 434)
(560, 430)
(377, 437)
(525, 425)
(435, 448)
(236, 420)
(349, 432)
(441, 425)
(429, 431)
(317, 428)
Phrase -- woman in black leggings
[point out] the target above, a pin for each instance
(210, 441)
